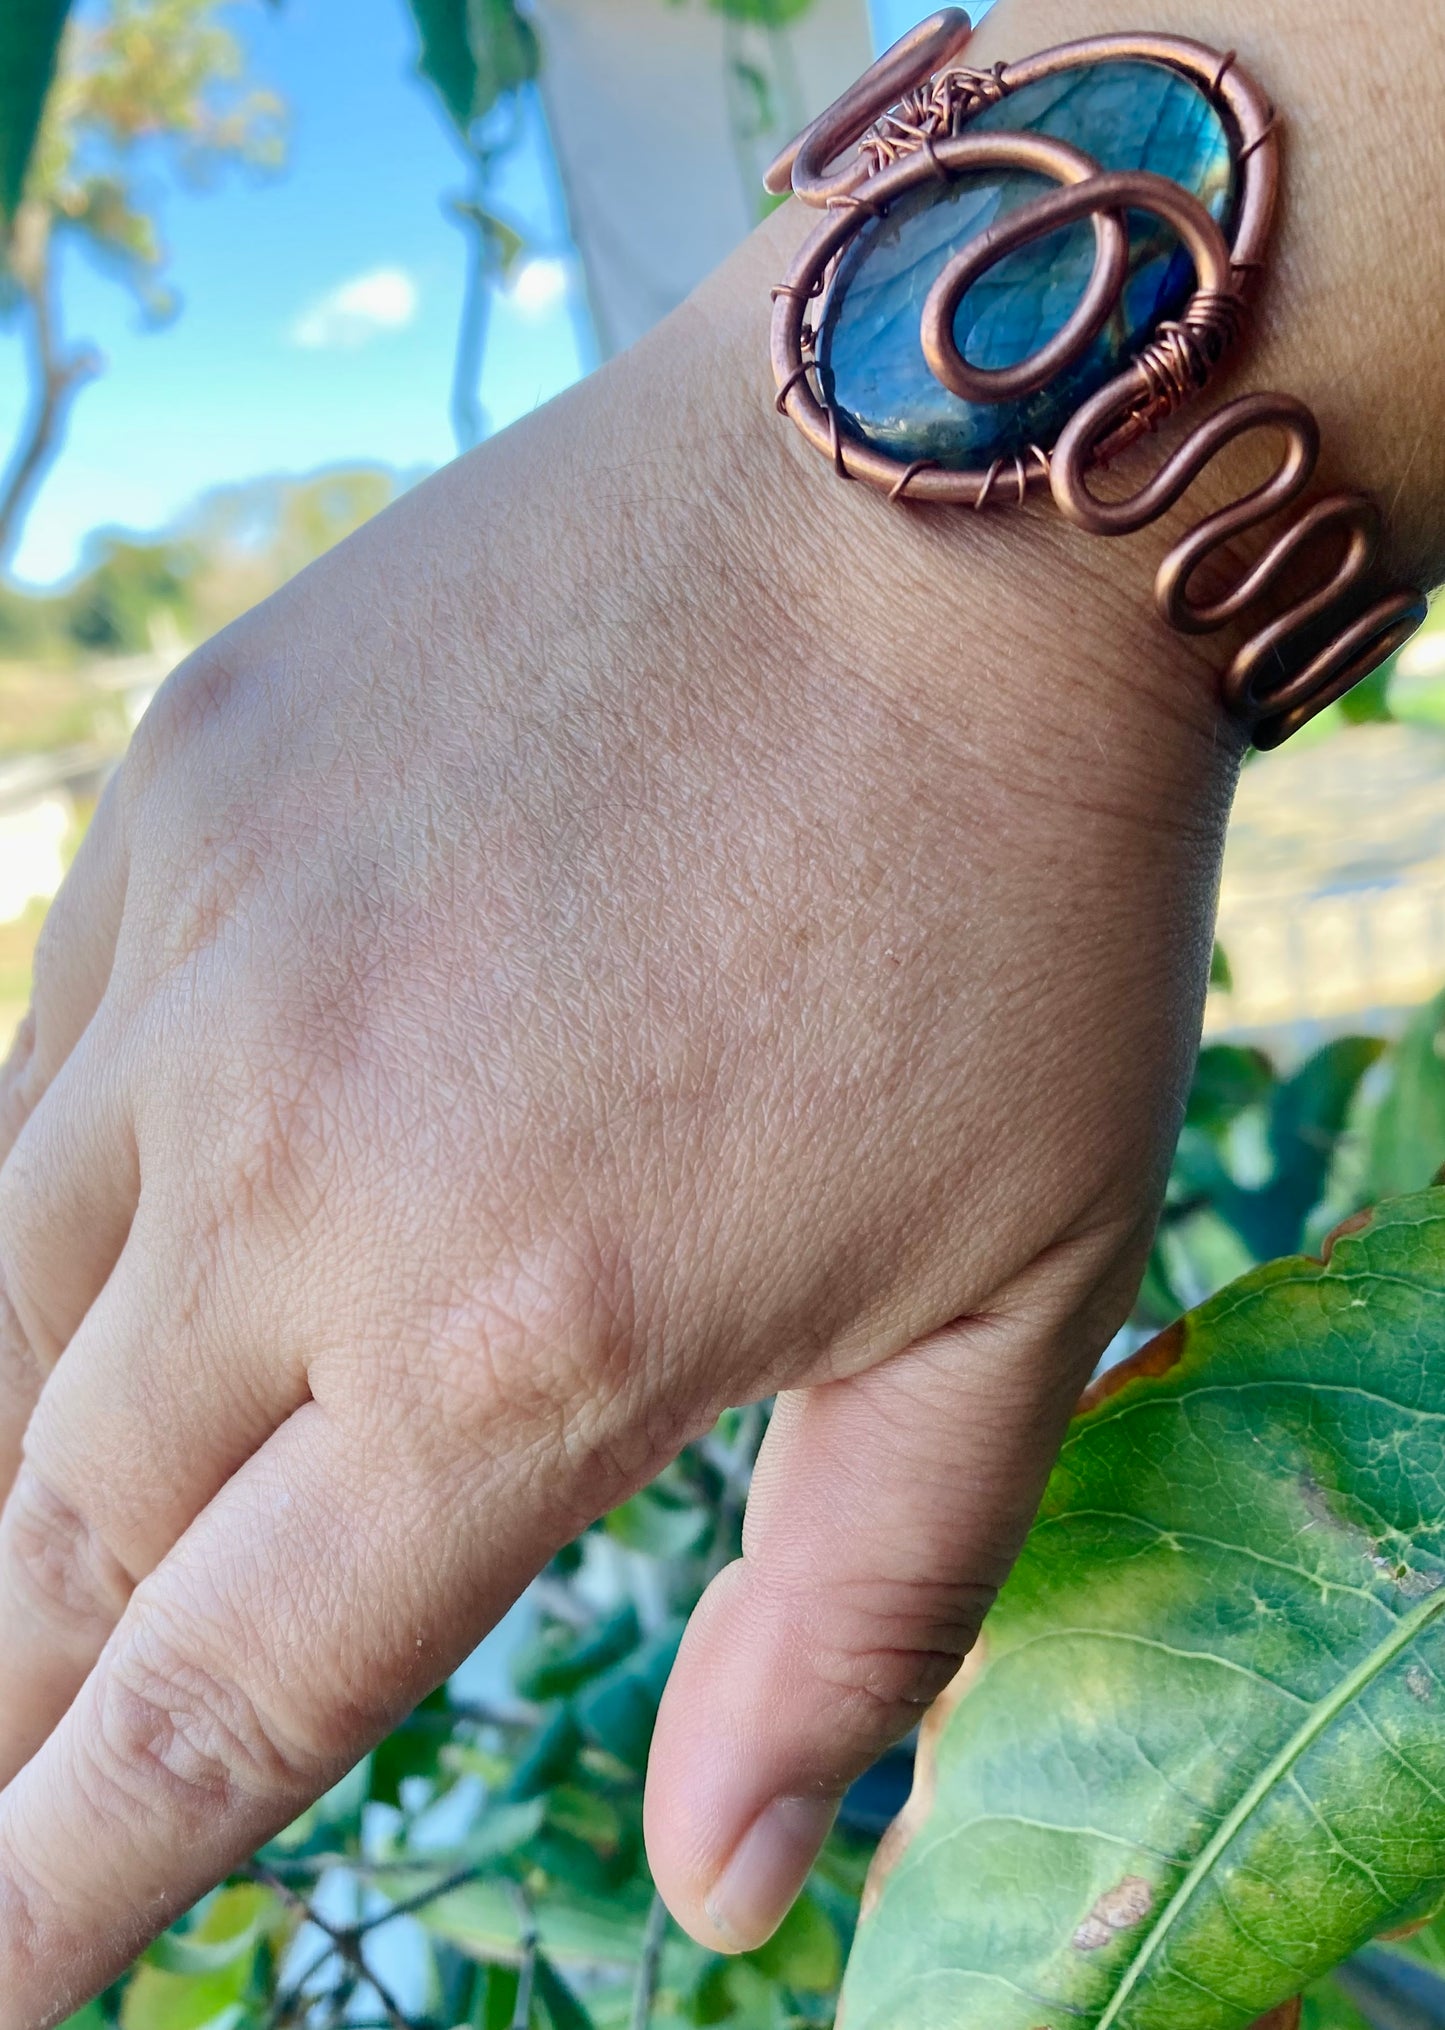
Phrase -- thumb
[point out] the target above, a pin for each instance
(884, 1514)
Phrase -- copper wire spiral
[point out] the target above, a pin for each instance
(906, 122)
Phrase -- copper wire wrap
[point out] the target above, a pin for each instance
(906, 122)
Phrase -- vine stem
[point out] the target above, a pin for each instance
(653, 1940)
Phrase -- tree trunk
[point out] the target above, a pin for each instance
(55, 375)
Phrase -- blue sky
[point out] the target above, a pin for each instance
(319, 308)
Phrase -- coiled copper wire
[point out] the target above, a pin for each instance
(905, 122)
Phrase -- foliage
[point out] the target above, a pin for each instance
(236, 546)
(29, 42)
(1203, 1759)
(476, 53)
(147, 74)
(1268, 1162)
(481, 55)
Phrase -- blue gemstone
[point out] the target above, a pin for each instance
(1129, 114)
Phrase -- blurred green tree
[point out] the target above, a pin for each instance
(148, 74)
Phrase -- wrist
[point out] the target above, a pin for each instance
(1357, 268)
(1088, 608)
(1009, 632)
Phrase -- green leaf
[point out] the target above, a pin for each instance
(91, 2017)
(227, 1935)
(475, 52)
(803, 1952)
(618, 1711)
(764, 13)
(1326, 2008)
(156, 2000)
(661, 1528)
(494, 2005)
(1369, 701)
(585, 1816)
(548, 1757)
(1227, 1079)
(559, 1660)
(1407, 1136)
(1306, 1117)
(574, 1930)
(414, 1749)
(30, 33)
(1204, 1759)
(564, 2011)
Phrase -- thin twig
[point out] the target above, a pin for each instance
(292, 1997)
(345, 1939)
(460, 1879)
(653, 1940)
(316, 1865)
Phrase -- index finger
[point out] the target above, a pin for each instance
(306, 1612)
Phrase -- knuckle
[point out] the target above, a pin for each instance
(58, 1562)
(897, 1652)
(172, 1729)
(28, 1921)
(192, 697)
(27, 1337)
(17, 1081)
(555, 1342)
(22, 1371)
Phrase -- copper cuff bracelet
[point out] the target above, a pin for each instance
(916, 131)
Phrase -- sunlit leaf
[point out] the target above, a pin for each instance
(475, 52)
(484, 1920)
(1204, 1758)
(227, 1935)
(156, 2000)
(1407, 1138)
(661, 1528)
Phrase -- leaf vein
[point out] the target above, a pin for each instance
(1319, 1718)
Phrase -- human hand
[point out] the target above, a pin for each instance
(640, 927)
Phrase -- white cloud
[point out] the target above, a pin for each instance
(539, 285)
(383, 299)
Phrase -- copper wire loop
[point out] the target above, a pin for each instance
(906, 122)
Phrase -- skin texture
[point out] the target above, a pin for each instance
(639, 927)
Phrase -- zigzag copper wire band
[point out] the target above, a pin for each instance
(906, 121)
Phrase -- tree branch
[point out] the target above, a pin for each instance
(345, 1940)
(56, 375)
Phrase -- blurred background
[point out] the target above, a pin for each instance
(268, 264)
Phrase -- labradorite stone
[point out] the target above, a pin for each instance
(1127, 115)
